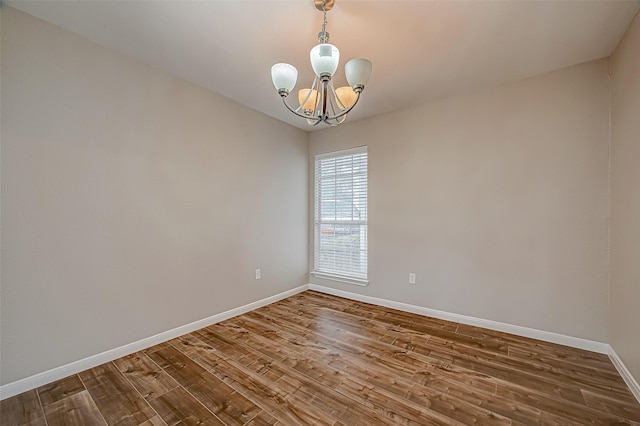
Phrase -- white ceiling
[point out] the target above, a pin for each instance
(421, 50)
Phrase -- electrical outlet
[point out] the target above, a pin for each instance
(257, 274)
(412, 278)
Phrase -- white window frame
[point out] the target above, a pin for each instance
(352, 274)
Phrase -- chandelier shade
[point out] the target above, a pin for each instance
(346, 96)
(284, 77)
(308, 99)
(324, 59)
(358, 72)
(321, 102)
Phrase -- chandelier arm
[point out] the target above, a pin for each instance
(295, 111)
(339, 103)
(339, 106)
(324, 117)
(325, 88)
(346, 111)
(313, 87)
(339, 121)
(336, 121)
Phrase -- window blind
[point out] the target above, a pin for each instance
(341, 214)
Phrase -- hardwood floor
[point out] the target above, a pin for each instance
(315, 359)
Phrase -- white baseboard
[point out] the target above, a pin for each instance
(40, 379)
(546, 336)
(634, 387)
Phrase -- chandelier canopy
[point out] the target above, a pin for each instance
(322, 102)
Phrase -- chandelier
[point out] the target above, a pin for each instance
(322, 102)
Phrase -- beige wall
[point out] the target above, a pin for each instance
(625, 200)
(132, 202)
(498, 201)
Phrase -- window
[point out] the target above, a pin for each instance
(341, 216)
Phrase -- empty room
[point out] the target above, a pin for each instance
(187, 189)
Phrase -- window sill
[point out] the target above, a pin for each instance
(340, 278)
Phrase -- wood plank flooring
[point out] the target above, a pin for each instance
(315, 359)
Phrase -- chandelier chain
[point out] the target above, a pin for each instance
(324, 12)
